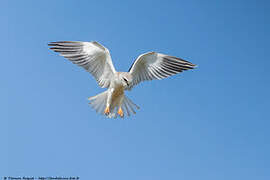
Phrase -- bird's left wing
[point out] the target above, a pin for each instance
(92, 56)
(152, 65)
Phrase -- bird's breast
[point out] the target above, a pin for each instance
(117, 92)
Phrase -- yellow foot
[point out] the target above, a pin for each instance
(120, 112)
(107, 110)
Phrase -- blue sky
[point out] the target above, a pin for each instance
(210, 123)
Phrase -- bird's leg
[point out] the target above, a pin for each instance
(120, 112)
(107, 110)
(108, 103)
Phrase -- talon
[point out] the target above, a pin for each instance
(107, 110)
(120, 112)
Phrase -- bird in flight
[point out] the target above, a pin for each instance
(96, 59)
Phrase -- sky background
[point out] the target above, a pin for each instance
(211, 123)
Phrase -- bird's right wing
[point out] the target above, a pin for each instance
(92, 56)
(152, 65)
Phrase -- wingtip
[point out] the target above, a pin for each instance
(52, 43)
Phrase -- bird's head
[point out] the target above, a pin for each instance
(126, 79)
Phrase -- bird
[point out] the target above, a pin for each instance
(96, 59)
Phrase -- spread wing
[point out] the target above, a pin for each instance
(92, 56)
(154, 65)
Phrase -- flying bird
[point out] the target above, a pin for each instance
(96, 59)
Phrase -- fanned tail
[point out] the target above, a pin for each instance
(128, 106)
(99, 101)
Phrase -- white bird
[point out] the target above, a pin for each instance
(96, 59)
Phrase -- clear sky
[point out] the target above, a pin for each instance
(211, 123)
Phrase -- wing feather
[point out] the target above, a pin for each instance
(91, 56)
(152, 65)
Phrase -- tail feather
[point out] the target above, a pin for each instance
(125, 108)
(98, 102)
(129, 106)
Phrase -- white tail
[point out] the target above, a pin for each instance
(99, 101)
(128, 106)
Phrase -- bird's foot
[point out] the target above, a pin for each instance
(120, 112)
(107, 110)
